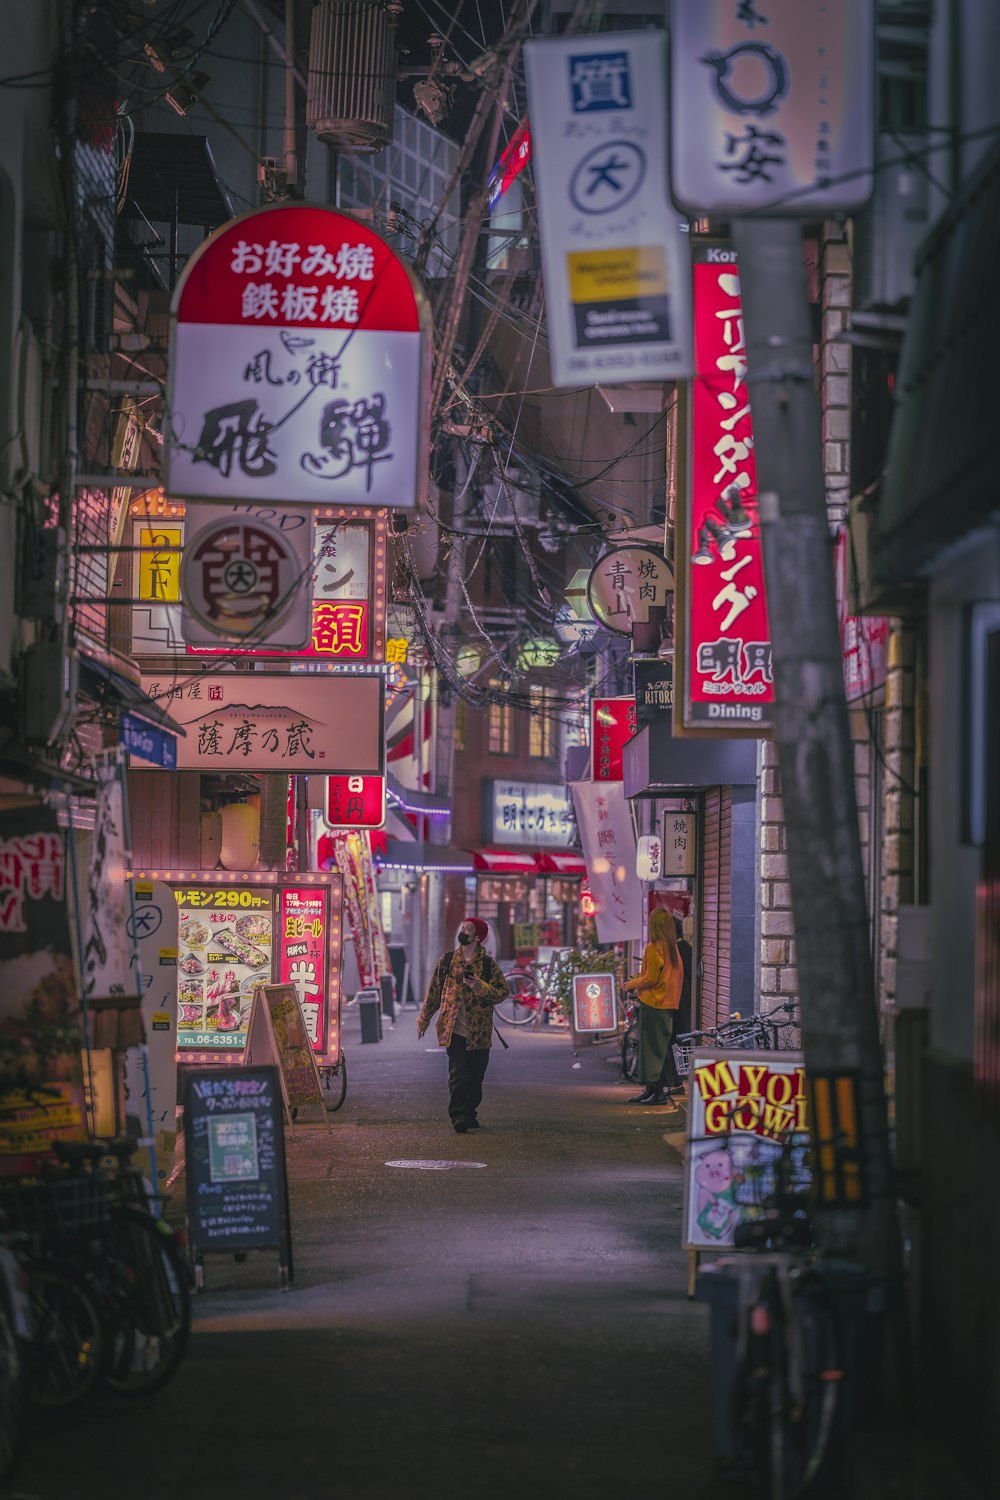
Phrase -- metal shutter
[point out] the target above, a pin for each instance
(716, 899)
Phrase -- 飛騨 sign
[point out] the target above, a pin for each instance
(299, 354)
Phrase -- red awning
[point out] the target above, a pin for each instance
(562, 864)
(507, 861)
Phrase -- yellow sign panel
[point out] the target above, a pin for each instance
(616, 275)
(158, 564)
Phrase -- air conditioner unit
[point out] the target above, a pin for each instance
(888, 232)
(352, 73)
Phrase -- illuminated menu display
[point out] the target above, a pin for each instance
(302, 954)
(224, 940)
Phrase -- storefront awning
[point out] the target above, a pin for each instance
(563, 864)
(114, 690)
(655, 764)
(507, 861)
(424, 858)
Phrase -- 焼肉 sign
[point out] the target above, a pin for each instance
(298, 359)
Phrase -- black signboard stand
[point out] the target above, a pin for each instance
(234, 1147)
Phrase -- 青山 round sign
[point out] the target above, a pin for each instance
(625, 584)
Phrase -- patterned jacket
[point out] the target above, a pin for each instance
(478, 1008)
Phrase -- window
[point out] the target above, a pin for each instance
(542, 727)
(501, 723)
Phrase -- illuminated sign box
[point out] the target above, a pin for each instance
(528, 812)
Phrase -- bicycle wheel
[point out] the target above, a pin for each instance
(629, 1050)
(154, 1317)
(334, 1081)
(810, 1414)
(12, 1422)
(521, 1004)
(68, 1345)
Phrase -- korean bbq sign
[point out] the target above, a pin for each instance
(297, 364)
(772, 105)
(729, 677)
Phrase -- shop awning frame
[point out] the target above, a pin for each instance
(424, 858)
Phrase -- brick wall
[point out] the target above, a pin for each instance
(779, 978)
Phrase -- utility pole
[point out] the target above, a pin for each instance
(815, 755)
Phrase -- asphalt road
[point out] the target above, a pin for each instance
(518, 1327)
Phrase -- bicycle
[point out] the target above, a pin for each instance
(15, 1335)
(529, 1001)
(740, 1033)
(333, 1081)
(789, 1370)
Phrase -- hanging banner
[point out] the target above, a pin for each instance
(612, 723)
(609, 850)
(110, 956)
(728, 675)
(299, 352)
(41, 1094)
(615, 263)
(772, 106)
(154, 926)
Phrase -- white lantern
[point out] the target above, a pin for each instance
(240, 836)
(210, 840)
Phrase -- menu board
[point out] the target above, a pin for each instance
(594, 1002)
(224, 941)
(237, 1190)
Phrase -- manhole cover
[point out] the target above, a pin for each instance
(434, 1166)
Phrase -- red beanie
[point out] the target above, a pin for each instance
(479, 927)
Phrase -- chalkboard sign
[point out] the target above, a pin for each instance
(234, 1148)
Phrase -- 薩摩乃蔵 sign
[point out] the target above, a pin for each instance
(258, 721)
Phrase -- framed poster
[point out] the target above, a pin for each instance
(595, 1005)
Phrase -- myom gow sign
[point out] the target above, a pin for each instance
(299, 358)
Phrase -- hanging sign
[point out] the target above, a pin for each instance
(110, 961)
(298, 364)
(680, 844)
(527, 812)
(625, 584)
(729, 678)
(257, 721)
(355, 801)
(612, 723)
(772, 106)
(614, 259)
(244, 581)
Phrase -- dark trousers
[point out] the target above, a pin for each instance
(466, 1071)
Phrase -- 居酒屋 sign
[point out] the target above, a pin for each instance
(298, 359)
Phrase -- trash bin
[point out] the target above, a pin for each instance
(387, 984)
(369, 1004)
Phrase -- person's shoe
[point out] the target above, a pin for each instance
(648, 1096)
(462, 1126)
(474, 1125)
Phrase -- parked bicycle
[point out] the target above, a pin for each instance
(789, 1368)
(333, 1081)
(759, 1032)
(530, 1000)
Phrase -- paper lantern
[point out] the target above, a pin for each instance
(210, 840)
(240, 836)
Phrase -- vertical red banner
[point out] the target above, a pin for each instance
(302, 955)
(729, 679)
(612, 723)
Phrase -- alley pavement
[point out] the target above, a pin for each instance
(473, 1317)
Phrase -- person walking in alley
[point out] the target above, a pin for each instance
(465, 986)
(658, 986)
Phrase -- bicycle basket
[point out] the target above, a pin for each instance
(54, 1207)
(683, 1050)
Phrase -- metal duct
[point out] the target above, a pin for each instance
(352, 73)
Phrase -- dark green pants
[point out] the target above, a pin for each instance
(655, 1030)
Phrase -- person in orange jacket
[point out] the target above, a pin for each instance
(658, 987)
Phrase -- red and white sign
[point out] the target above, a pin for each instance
(729, 680)
(612, 723)
(355, 801)
(513, 160)
(244, 580)
(298, 360)
(302, 961)
(864, 639)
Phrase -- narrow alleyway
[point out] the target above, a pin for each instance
(516, 1328)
